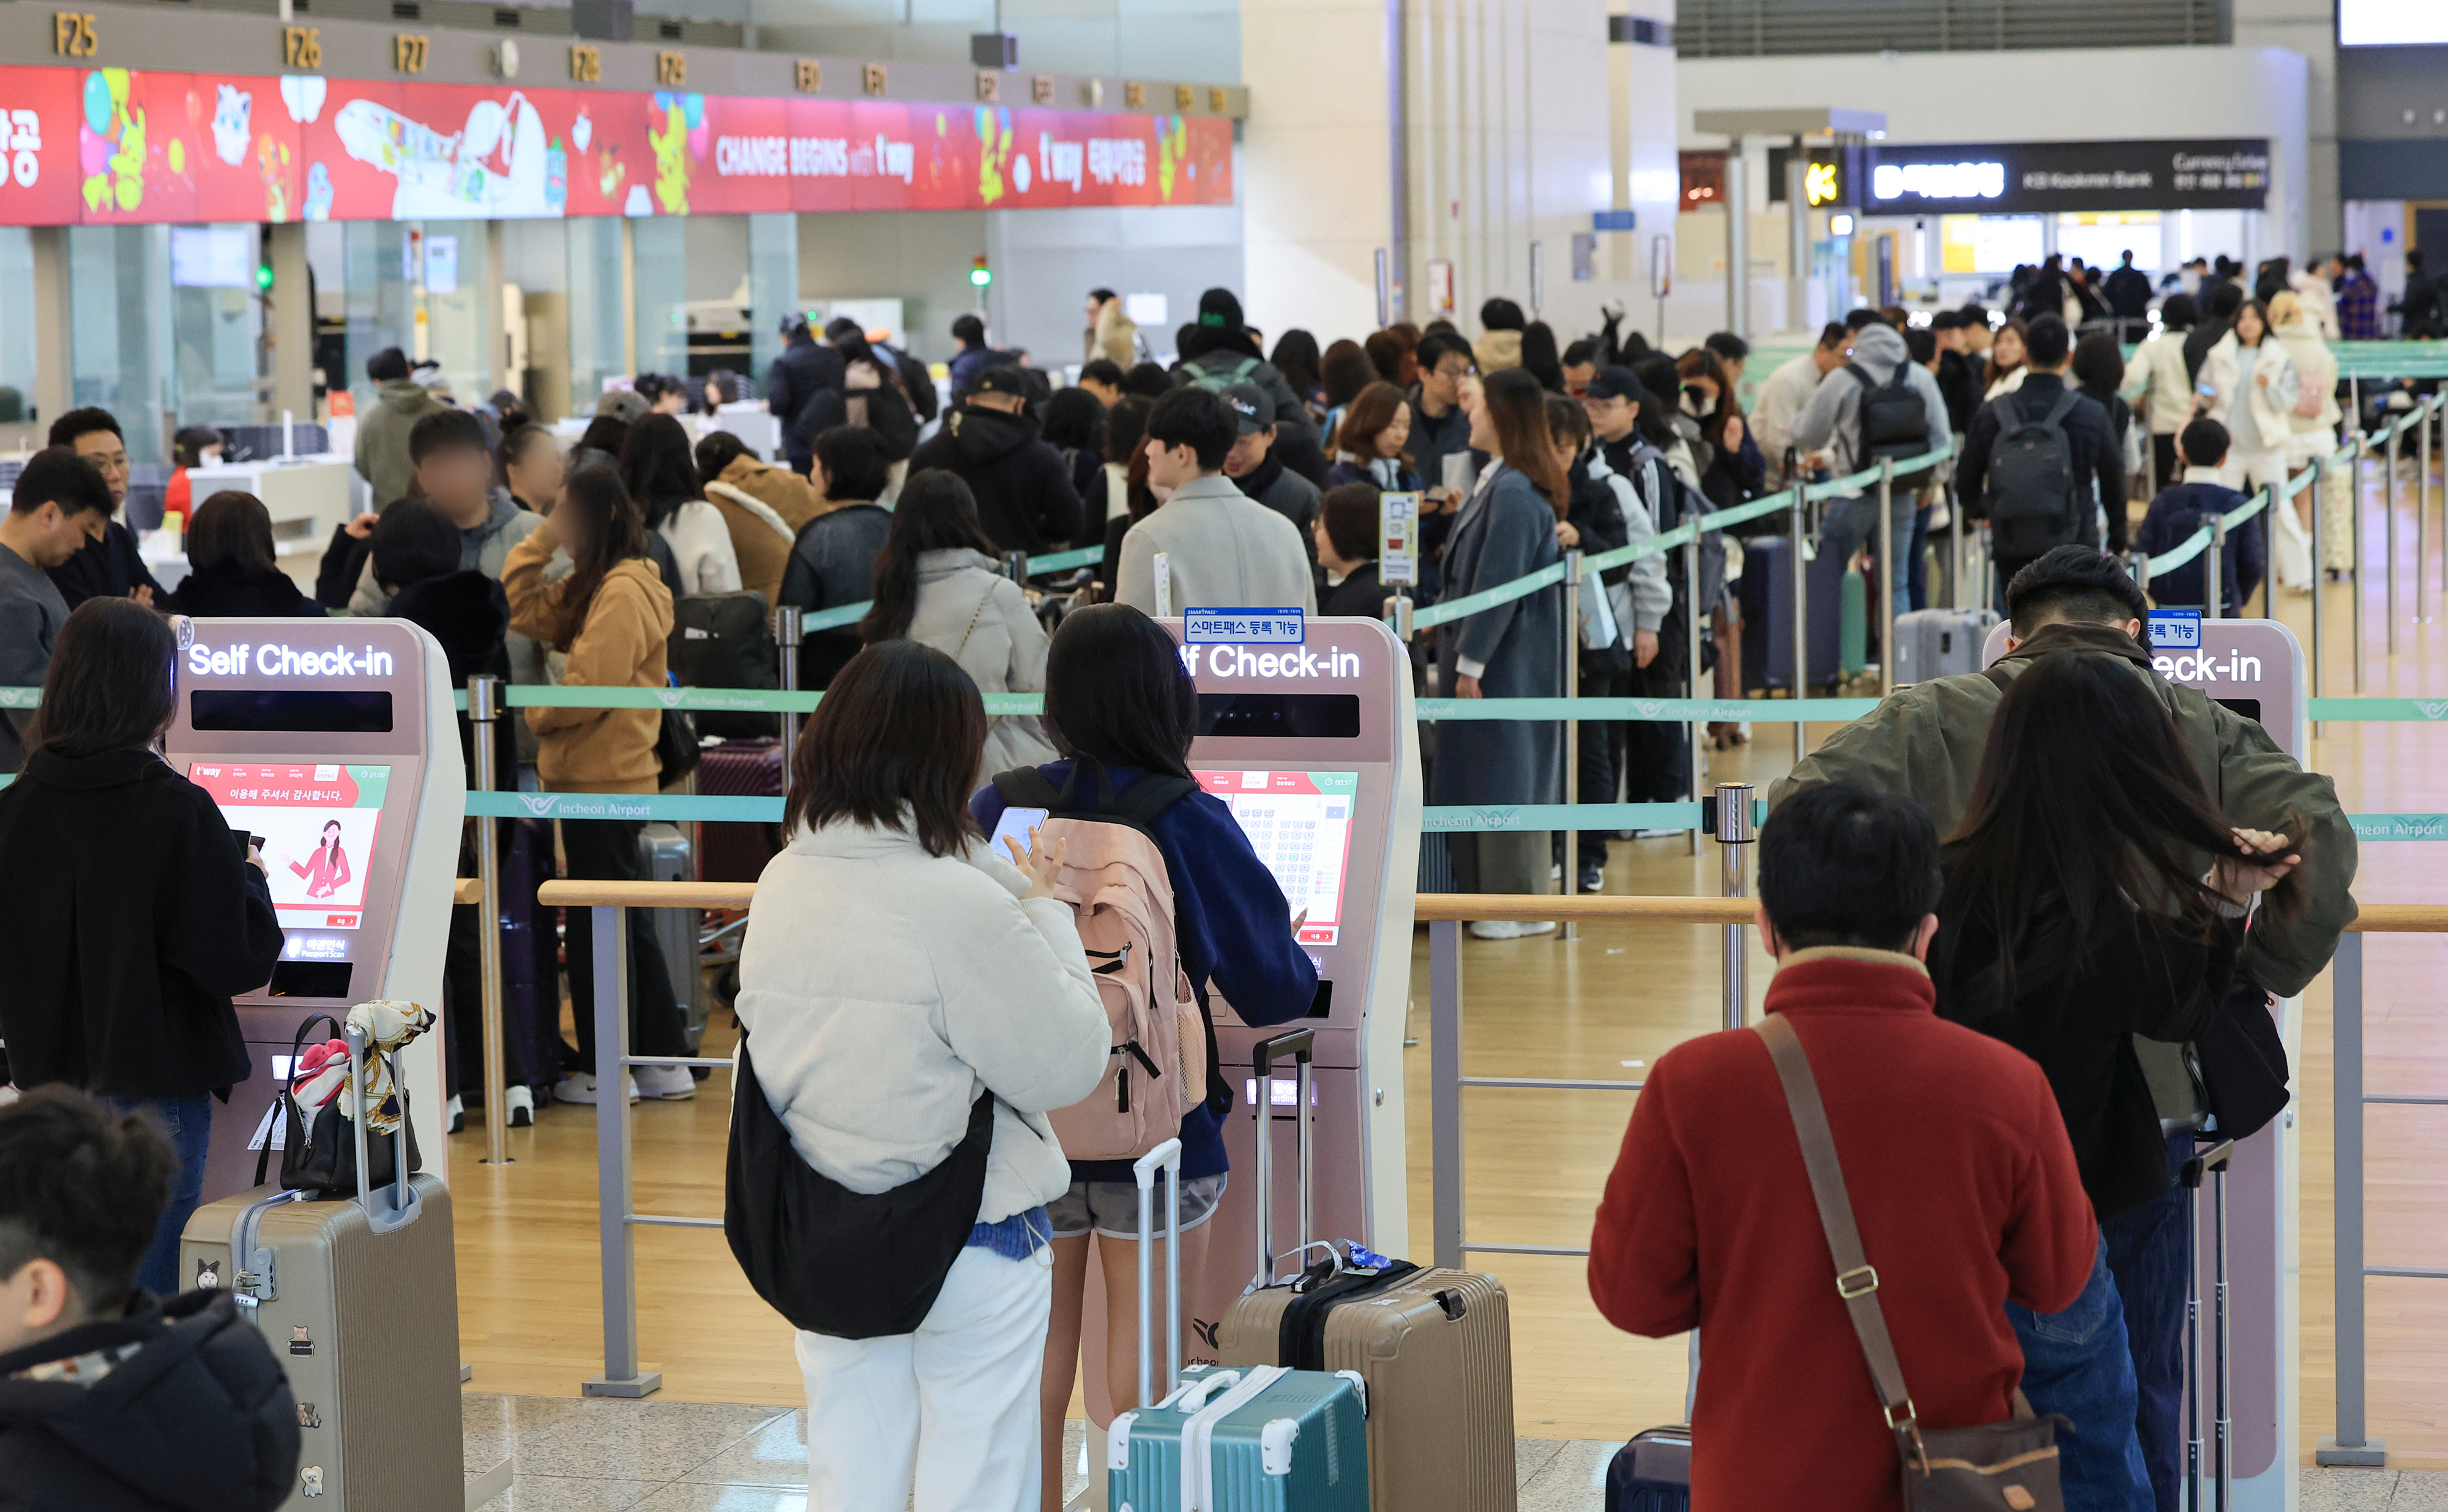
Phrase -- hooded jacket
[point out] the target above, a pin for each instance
(128, 919)
(382, 437)
(760, 538)
(470, 616)
(483, 546)
(1924, 741)
(1832, 419)
(621, 644)
(805, 369)
(969, 611)
(189, 1412)
(1219, 357)
(1115, 337)
(833, 566)
(1025, 500)
(1495, 351)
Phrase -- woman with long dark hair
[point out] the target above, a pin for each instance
(1123, 712)
(1730, 472)
(232, 566)
(2094, 895)
(2009, 360)
(1074, 425)
(660, 472)
(909, 1000)
(1368, 442)
(129, 914)
(939, 582)
(1505, 531)
(2251, 387)
(1297, 357)
(609, 621)
(1127, 497)
(326, 868)
(1540, 358)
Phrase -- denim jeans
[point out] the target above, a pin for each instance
(2075, 1363)
(1848, 525)
(2148, 1250)
(188, 1121)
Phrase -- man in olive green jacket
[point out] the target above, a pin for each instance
(1925, 742)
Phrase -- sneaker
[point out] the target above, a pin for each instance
(670, 1082)
(1508, 929)
(1594, 878)
(578, 1086)
(458, 1114)
(518, 1106)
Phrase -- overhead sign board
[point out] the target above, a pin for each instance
(2029, 177)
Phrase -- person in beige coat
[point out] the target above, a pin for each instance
(2314, 432)
(939, 582)
(611, 617)
(1111, 334)
(2252, 386)
(760, 505)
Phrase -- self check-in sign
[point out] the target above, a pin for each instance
(1243, 626)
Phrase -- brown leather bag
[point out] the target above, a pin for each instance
(2000, 1465)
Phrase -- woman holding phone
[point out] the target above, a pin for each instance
(1122, 710)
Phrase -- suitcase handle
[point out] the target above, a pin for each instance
(1301, 1045)
(1167, 1158)
(405, 1205)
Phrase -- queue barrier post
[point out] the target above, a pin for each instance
(1698, 729)
(1735, 835)
(485, 710)
(620, 1377)
(2355, 552)
(789, 632)
(1572, 870)
(2214, 571)
(2421, 511)
(2319, 575)
(1795, 570)
(2269, 543)
(2388, 536)
(1886, 576)
(2352, 1445)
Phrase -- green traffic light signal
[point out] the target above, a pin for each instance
(264, 277)
(981, 275)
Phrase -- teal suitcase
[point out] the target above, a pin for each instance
(1244, 1438)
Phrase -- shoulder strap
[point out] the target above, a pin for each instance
(1149, 797)
(1861, 374)
(1856, 1282)
(975, 614)
(2064, 406)
(1026, 788)
(1996, 673)
(1898, 378)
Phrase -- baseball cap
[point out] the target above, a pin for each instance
(625, 405)
(1004, 379)
(1253, 411)
(1613, 382)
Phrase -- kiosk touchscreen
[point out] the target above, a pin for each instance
(334, 744)
(1315, 749)
(2254, 668)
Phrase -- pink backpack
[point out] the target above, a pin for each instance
(1115, 880)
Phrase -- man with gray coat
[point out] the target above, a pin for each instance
(1829, 432)
(1210, 545)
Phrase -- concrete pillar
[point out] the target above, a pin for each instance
(289, 322)
(54, 357)
(1316, 161)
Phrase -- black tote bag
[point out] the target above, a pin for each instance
(835, 1261)
(319, 1155)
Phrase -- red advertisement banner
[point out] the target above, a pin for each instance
(104, 145)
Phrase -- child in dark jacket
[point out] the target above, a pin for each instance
(112, 1400)
(416, 562)
(2187, 506)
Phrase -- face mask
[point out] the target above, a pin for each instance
(1699, 401)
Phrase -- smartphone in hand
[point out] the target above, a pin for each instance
(1015, 826)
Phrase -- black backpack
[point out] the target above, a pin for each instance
(2030, 495)
(1893, 416)
(726, 641)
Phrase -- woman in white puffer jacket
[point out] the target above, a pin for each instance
(894, 970)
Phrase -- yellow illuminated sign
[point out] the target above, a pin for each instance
(1819, 184)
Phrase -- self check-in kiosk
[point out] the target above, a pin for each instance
(2254, 668)
(1314, 747)
(336, 743)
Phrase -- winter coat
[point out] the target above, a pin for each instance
(483, 548)
(2272, 398)
(31, 613)
(2315, 374)
(1507, 531)
(1222, 549)
(971, 612)
(1115, 337)
(1283, 491)
(110, 567)
(873, 399)
(805, 371)
(2183, 508)
(1225, 358)
(2092, 447)
(787, 493)
(1925, 741)
(621, 644)
(130, 918)
(1497, 350)
(760, 538)
(2156, 371)
(470, 615)
(1025, 500)
(1435, 438)
(382, 437)
(1787, 393)
(1832, 419)
(227, 590)
(832, 566)
(701, 543)
(886, 988)
(196, 1419)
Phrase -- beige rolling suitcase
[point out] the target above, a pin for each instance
(359, 1300)
(1435, 1347)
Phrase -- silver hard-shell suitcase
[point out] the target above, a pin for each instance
(664, 855)
(359, 1300)
(1941, 642)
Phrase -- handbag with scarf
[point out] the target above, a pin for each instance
(319, 1151)
(2009, 1467)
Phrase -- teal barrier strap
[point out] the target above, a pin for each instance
(834, 618)
(1066, 561)
(2399, 826)
(1559, 816)
(31, 698)
(2430, 710)
(2170, 562)
(1668, 711)
(750, 700)
(704, 808)
(1486, 599)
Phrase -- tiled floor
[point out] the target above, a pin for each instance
(608, 1456)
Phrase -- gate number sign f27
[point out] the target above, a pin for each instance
(1243, 626)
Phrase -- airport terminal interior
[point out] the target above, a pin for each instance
(735, 346)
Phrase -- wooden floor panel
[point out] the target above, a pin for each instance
(1603, 1007)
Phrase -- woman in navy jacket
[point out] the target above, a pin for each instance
(1121, 707)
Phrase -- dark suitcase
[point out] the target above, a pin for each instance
(726, 641)
(531, 956)
(664, 855)
(1652, 1473)
(1765, 592)
(738, 853)
(1433, 1346)
(357, 1297)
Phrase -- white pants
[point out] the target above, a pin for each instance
(949, 1411)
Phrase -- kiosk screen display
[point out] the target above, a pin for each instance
(1300, 825)
(318, 824)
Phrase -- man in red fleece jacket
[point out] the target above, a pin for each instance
(1963, 1183)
